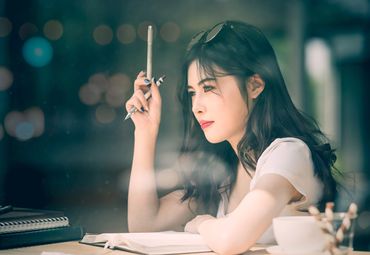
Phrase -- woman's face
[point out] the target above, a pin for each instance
(217, 105)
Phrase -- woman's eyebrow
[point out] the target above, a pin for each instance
(201, 82)
(206, 79)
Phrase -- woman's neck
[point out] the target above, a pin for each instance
(234, 141)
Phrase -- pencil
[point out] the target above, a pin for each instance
(149, 59)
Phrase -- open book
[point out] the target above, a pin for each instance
(168, 242)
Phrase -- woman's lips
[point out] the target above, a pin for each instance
(205, 124)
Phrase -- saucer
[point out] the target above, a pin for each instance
(277, 250)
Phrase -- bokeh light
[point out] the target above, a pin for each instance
(25, 125)
(36, 117)
(24, 130)
(105, 114)
(27, 30)
(12, 119)
(170, 32)
(6, 78)
(117, 91)
(142, 30)
(106, 92)
(100, 81)
(37, 51)
(53, 29)
(126, 34)
(103, 35)
(5, 27)
(90, 94)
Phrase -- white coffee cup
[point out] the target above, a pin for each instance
(298, 234)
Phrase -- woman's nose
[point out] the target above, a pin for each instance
(198, 104)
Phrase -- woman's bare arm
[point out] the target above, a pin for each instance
(146, 211)
(237, 232)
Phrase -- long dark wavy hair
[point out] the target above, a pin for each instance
(241, 50)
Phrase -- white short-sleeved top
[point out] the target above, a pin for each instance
(290, 158)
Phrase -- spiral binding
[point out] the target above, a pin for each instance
(35, 224)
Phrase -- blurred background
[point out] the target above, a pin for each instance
(67, 67)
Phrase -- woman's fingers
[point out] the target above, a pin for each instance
(140, 95)
(133, 102)
(137, 100)
(141, 74)
(142, 83)
(141, 102)
(156, 96)
(140, 88)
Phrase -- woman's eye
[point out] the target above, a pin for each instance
(191, 93)
(207, 88)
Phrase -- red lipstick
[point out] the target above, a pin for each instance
(205, 123)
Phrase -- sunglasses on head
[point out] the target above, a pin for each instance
(207, 36)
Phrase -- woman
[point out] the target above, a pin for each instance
(236, 110)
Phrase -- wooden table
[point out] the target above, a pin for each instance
(75, 248)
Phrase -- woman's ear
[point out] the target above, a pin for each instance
(255, 86)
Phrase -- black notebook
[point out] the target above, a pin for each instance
(24, 219)
(43, 236)
(25, 227)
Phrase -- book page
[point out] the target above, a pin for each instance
(152, 242)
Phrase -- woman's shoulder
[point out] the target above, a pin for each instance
(286, 145)
(290, 158)
(287, 151)
(287, 141)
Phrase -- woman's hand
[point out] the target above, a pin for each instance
(148, 116)
(193, 225)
